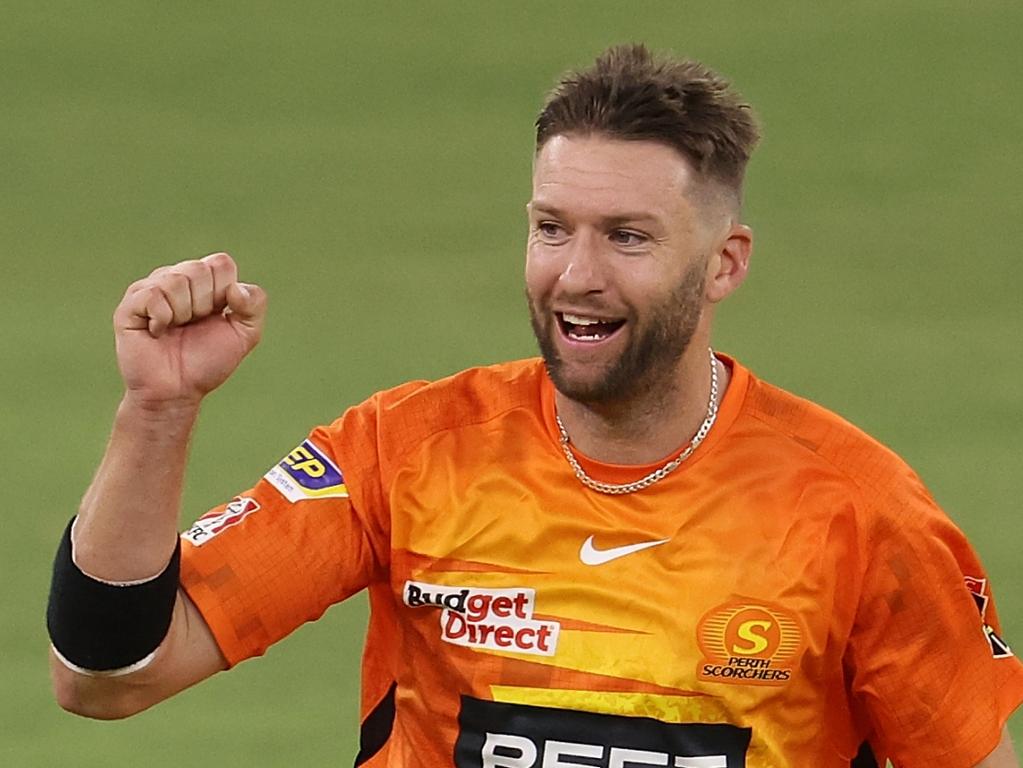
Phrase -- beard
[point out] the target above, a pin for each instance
(647, 365)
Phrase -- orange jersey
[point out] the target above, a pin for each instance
(789, 594)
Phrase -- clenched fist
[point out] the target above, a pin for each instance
(184, 329)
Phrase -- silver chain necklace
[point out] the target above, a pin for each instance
(617, 489)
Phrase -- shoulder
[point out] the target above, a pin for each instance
(469, 397)
(472, 394)
(895, 530)
(807, 435)
(402, 417)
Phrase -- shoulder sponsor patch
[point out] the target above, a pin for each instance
(217, 520)
(307, 473)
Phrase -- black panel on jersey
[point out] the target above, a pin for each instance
(531, 735)
(376, 728)
(864, 758)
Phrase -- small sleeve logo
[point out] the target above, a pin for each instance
(977, 588)
(307, 473)
(220, 519)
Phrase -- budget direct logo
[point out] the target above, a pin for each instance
(749, 643)
(495, 619)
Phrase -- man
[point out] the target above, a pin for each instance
(631, 553)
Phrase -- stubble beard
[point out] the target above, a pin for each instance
(647, 366)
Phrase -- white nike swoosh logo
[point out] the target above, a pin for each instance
(590, 555)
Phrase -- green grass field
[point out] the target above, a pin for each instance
(370, 168)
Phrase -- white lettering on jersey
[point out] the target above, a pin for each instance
(507, 750)
(495, 619)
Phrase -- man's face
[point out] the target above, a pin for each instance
(615, 265)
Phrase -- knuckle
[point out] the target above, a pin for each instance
(218, 259)
(145, 294)
(181, 273)
(194, 267)
(222, 266)
(175, 280)
(156, 305)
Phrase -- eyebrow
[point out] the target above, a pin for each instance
(616, 219)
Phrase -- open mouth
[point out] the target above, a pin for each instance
(587, 329)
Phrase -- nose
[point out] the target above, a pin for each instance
(582, 271)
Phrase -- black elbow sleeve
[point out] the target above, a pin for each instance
(96, 626)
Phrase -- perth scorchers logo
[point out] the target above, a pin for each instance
(748, 643)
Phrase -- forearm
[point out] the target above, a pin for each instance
(128, 520)
(127, 531)
(187, 655)
(126, 635)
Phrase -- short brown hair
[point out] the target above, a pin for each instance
(630, 94)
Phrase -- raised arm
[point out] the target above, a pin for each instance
(180, 333)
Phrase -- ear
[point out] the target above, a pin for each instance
(729, 263)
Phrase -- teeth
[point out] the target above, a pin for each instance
(578, 320)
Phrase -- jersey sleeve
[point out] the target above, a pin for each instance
(926, 656)
(309, 534)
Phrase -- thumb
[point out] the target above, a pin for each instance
(246, 304)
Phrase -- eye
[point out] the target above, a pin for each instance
(627, 237)
(550, 230)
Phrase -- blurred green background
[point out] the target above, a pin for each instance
(368, 163)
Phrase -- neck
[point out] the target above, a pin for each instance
(651, 426)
